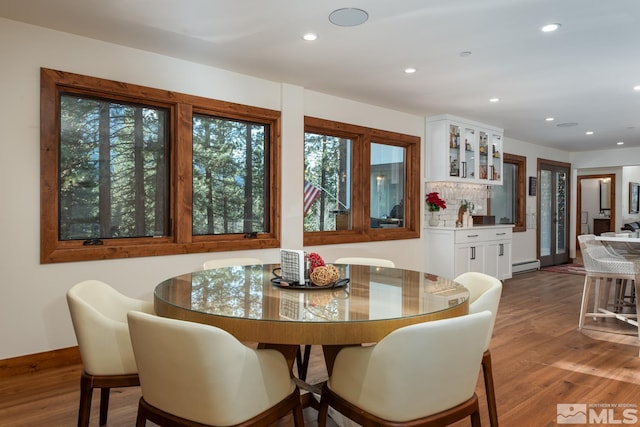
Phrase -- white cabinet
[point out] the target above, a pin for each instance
(453, 251)
(498, 259)
(461, 150)
(468, 257)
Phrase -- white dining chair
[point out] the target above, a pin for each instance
(419, 375)
(484, 295)
(374, 262)
(603, 267)
(99, 317)
(193, 374)
(229, 262)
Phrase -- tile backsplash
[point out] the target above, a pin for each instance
(455, 194)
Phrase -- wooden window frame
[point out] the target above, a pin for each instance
(363, 137)
(180, 107)
(521, 188)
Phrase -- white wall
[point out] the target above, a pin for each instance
(33, 312)
(629, 174)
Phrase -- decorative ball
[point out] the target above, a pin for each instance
(324, 275)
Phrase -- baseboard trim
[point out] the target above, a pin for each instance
(40, 361)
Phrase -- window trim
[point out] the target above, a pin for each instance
(521, 163)
(180, 107)
(362, 138)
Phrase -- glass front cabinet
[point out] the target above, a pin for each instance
(461, 150)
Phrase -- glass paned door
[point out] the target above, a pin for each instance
(553, 232)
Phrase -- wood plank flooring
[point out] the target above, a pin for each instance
(540, 359)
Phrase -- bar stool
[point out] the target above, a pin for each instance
(602, 267)
(625, 292)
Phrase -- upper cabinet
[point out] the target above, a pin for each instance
(461, 150)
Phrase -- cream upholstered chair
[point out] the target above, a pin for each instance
(374, 262)
(418, 375)
(199, 375)
(230, 262)
(99, 316)
(603, 266)
(484, 295)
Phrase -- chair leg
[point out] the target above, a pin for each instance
(141, 419)
(298, 417)
(86, 392)
(487, 370)
(597, 299)
(585, 301)
(104, 404)
(606, 293)
(323, 412)
(475, 419)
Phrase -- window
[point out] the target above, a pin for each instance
(131, 171)
(229, 185)
(507, 202)
(361, 184)
(112, 163)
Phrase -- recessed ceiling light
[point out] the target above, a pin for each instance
(620, 142)
(348, 17)
(465, 53)
(410, 70)
(310, 37)
(549, 28)
(550, 119)
(494, 99)
(567, 125)
(589, 132)
(636, 88)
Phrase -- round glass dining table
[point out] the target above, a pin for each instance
(244, 301)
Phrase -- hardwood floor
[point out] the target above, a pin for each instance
(540, 359)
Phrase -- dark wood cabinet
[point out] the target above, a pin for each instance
(601, 225)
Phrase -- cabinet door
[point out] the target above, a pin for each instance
(469, 257)
(490, 156)
(495, 157)
(463, 146)
(484, 165)
(498, 259)
(504, 260)
(470, 167)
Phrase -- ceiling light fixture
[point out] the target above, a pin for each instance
(310, 37)
(348, 17)
(549, 28)
(589, 132)
(465, 53)
(637, 88)
(549, 119)
(494, 100)
(410, 70)
(567, 125)
(620, 143)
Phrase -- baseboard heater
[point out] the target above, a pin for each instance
(525, 266)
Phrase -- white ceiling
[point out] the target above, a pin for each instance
(583, 73)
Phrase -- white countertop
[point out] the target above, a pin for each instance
(470, 228)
